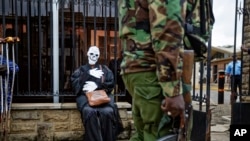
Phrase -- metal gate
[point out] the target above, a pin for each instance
(81, 23)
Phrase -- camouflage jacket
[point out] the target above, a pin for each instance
(151, 34)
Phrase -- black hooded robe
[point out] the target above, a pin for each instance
(100, 122)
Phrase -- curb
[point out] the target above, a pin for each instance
(213, 86)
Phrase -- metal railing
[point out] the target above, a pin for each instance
(81, 23)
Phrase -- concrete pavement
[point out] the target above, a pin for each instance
(220, 121)
(221, 113)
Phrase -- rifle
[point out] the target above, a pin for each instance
(180, 134)
(184, 134)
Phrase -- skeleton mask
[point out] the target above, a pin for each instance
(93, 54)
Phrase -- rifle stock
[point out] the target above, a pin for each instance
(188, 60)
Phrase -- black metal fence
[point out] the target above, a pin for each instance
(81, 23)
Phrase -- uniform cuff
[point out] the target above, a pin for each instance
(171, 89)
(186, 88)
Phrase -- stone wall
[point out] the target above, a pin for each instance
(54, 122)
(246, 57)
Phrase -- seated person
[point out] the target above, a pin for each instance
(98, 121)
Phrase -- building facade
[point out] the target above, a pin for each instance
(245, 56)
(54, 38)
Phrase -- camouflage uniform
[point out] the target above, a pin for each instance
(151, 33)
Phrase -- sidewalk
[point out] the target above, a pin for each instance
(221, 113)
(220, 136)
(220, 120)
(213, 86)
(220, 123)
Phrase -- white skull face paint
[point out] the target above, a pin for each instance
(93, 54)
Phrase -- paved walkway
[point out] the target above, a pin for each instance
(220, 120)
(221, 113)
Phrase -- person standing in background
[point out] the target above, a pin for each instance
(233, 70)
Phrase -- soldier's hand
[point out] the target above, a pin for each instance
(175, 106)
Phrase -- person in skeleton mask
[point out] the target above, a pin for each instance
(88, 78)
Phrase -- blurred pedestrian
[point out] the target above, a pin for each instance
(233, 70)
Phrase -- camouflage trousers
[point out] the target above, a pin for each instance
(146, 106)
(149, 120)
